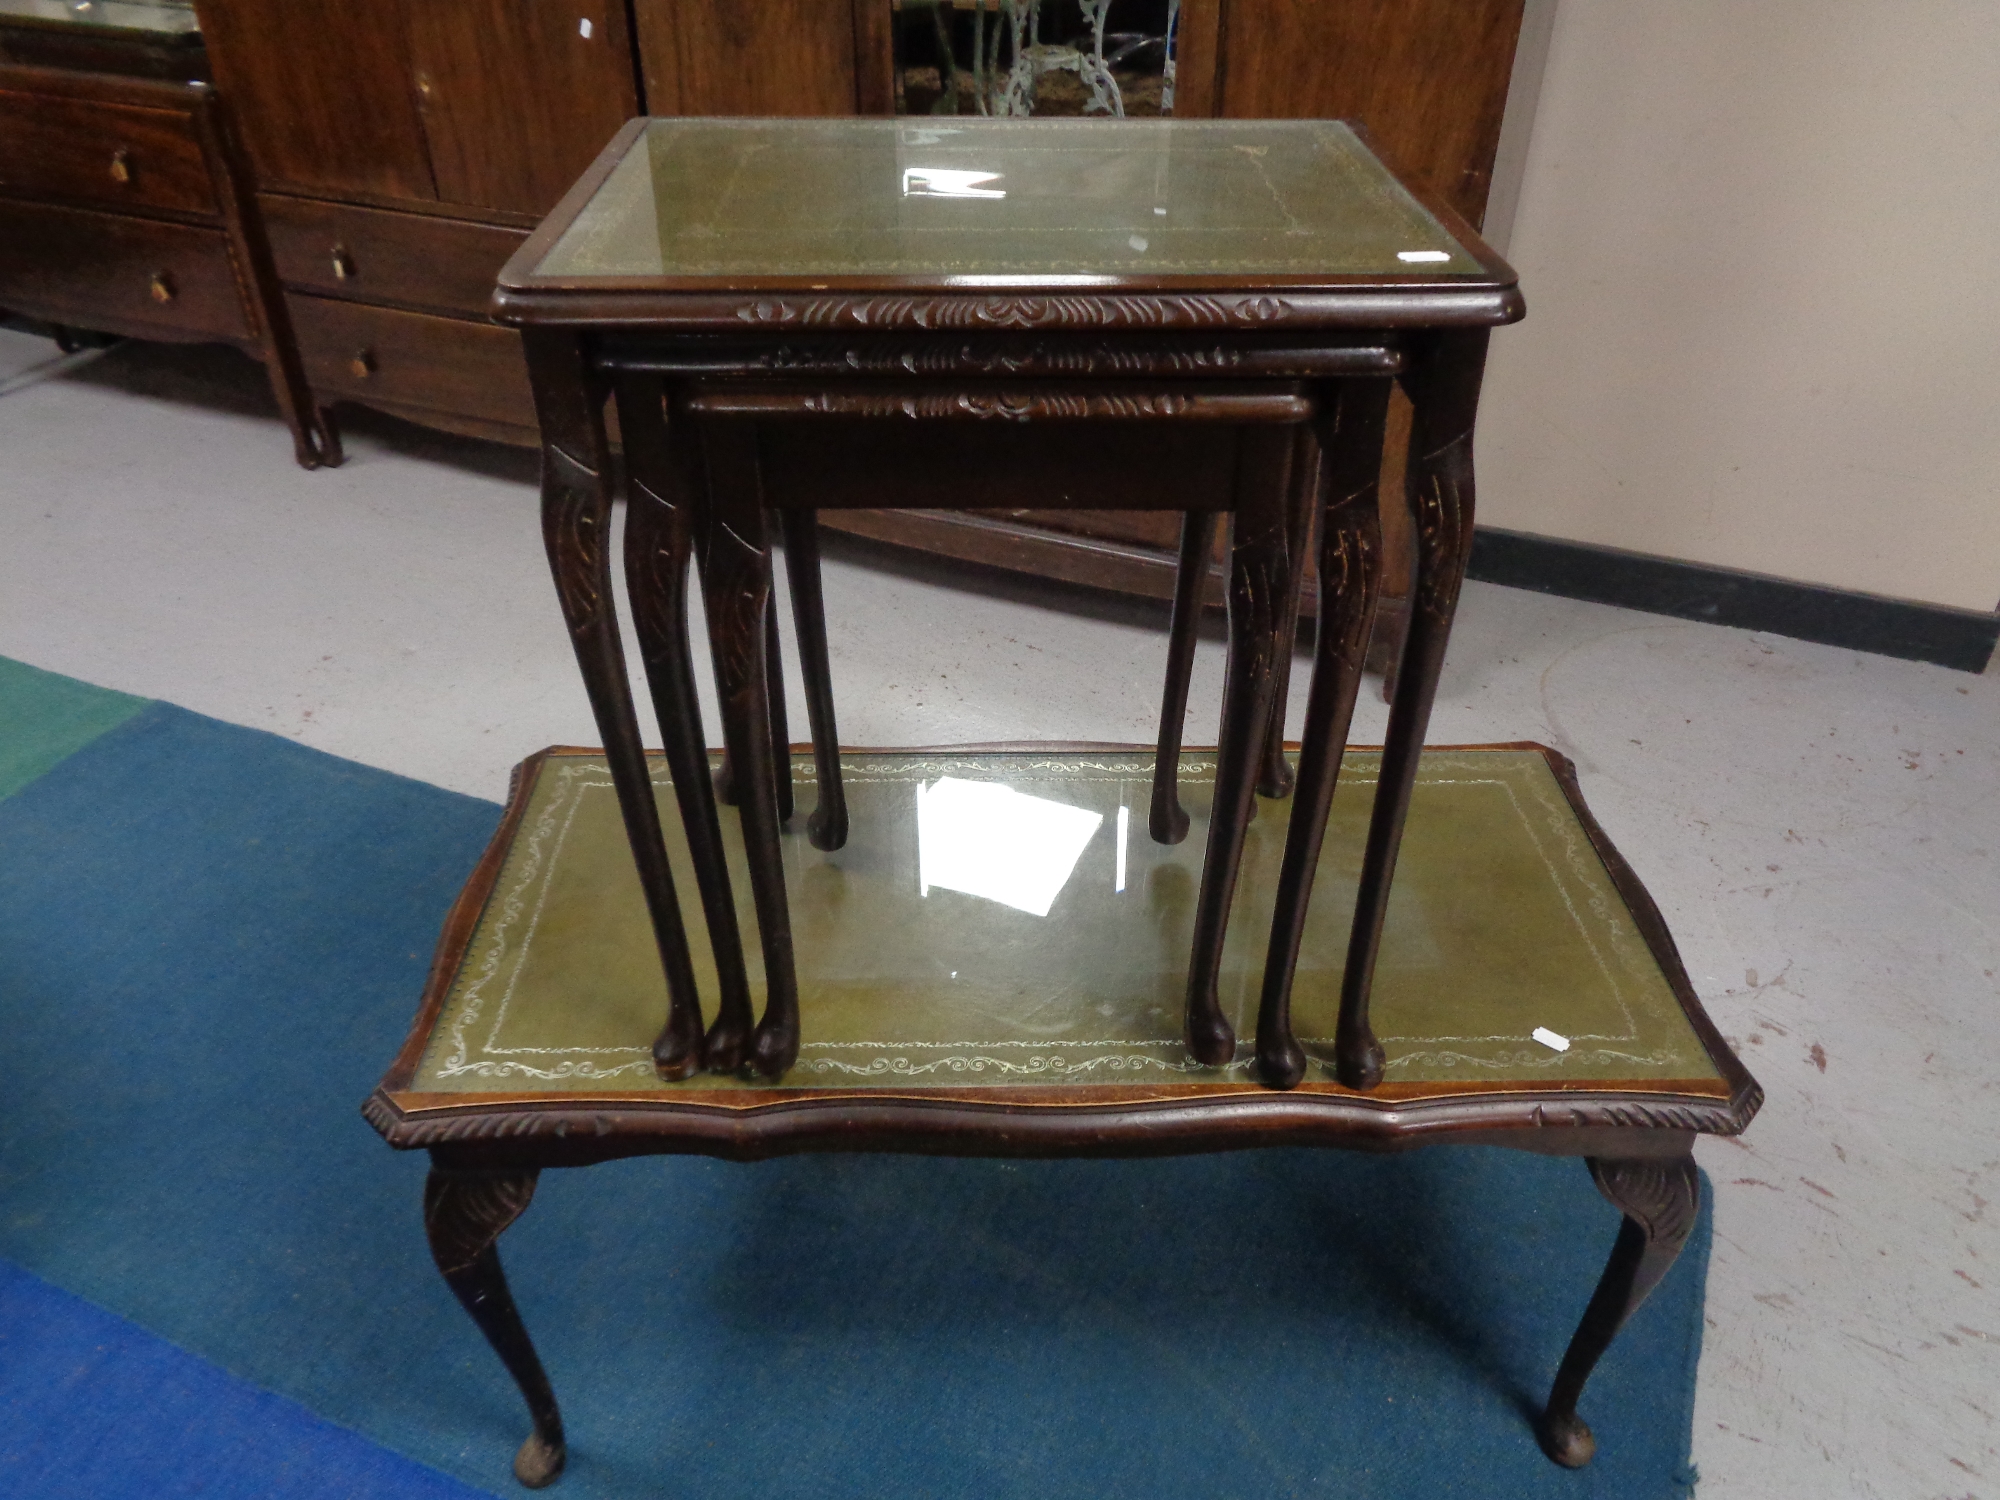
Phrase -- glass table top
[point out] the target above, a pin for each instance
(1001, 920)
(995, 203)
(165, 17)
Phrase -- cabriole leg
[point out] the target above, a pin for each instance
(1274, 777)
(726, 787)
(827, 827)
(774, 686)
(663, 474)
(737, 591)
(1443, 385)
(1168, 821)
(464, 1216)
(1259, 574)
(1349, 577)
(576, 529)
(1659, 1198)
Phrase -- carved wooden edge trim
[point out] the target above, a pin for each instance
(1746, 1094)
(1016, 405)
(995, 355)
(605, 303)
(1608, 1125)
(458, 928)
(1662, 1196)
(464, 1213)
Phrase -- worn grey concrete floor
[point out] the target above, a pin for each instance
(1822, 828)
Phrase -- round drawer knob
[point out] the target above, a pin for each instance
(363, 363)
(343, 263)
(163, 287)
(121, 165)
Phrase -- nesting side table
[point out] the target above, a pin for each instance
(1195, 316)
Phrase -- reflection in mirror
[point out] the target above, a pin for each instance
(986, 839)
(1034, 57)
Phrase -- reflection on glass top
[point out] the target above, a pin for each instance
(1001, 202)
(170, 17)
(1035, 57)
(1004, 919)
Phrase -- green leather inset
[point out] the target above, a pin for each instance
(1502, 921)
(1018, 198)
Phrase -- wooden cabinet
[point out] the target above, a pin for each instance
(402, 149)
(123, 210)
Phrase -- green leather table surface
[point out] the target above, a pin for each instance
(1000, 920)
(976, 202)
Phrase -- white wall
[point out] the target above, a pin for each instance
(1760, 241)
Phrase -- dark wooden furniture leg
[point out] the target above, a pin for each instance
(1442, 381)
(576, 529)
(726, 789)
(464, 1215)
(1259, 577)
(1168, 821)
(736, 587)
(827, 827)
(1659, 1198)
(1349, 576)
(662, 477)
(1274, 778)
(774, 684)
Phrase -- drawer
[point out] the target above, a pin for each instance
(405, 359)
(122, 275)
(381, 256)
(113, 155)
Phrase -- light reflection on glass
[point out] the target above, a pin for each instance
(1124, 828)
(949, 182)
(988, 840)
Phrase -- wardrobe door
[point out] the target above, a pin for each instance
(518, 96)
(320, 92)
(771, 57)
(1427, 77)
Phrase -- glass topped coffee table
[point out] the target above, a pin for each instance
(1203, 316)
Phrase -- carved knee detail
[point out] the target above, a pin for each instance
(465, 1214)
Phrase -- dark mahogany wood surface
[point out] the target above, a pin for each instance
(322, 94)
(125, 208)
(416, 261)
(100, 154)
(776, 57)
(98, 270)
(516, 99)
(1427, 77)
(414, 362)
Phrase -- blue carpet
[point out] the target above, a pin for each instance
(92, 1406)
(211, 942)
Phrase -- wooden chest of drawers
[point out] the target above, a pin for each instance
(389, 309)
(121, 211)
